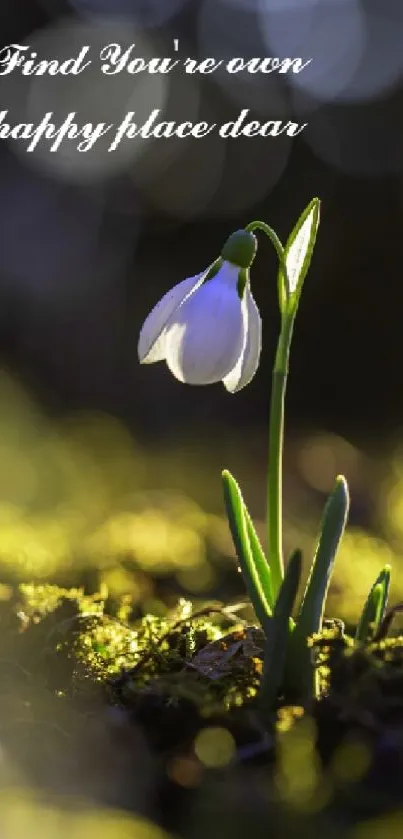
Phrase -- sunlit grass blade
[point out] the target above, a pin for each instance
(275, 652)
(300, 669)
(374, 609)
(254, 567)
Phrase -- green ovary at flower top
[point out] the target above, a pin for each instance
(208, 327)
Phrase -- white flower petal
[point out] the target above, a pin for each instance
(228, 275)
(151, 344)
(248, 363)
(205, 335)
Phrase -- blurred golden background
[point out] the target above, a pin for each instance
(82, 500)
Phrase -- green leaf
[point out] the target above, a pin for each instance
(275, 652)
(300, 671)
(259, 558)
(253, 564)
(374, 609)
(298, 252)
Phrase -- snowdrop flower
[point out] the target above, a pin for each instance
(208, 327)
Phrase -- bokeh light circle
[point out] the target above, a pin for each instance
(328, 33)
(264, 93)
(146, 14)
(93, 96)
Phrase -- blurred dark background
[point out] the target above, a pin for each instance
(86, 250)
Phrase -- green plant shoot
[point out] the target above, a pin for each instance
(375, 607)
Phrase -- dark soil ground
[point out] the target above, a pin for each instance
(161, 717)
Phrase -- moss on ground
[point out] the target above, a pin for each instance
(172, 674)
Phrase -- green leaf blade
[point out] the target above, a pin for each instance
(309, 620)
(253, 564)
(260, 559)
(332, 528)
(275, 653)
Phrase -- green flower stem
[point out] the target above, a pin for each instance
(276, 444)
(274, 483)
(282, 275)
(276, 423)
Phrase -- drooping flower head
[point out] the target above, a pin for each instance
(208, 327)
